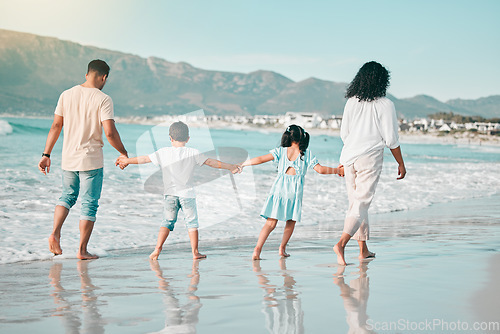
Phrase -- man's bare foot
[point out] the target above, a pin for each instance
(366, 255)
(340, 255)
(86, 256)
(155, 254)
(197, 256)
(54, 245)
(283, 253)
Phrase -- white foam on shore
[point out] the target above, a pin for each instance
(129, 218)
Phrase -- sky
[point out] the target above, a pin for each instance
(446, 49)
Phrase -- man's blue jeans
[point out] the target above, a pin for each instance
(89, 185)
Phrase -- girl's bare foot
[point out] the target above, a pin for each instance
(199, 256)
(155, 254)
(340, 254)
(366, 255)
(86, 256)
(54, 245)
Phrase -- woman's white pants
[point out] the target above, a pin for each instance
(361, 180)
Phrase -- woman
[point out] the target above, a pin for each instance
(368, 126)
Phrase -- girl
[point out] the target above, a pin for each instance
(369, 124)
(285, 198)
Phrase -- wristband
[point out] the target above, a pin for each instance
(46, 155)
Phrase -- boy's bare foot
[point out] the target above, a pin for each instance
(340, 255)
(86, 256)
(283, 253)
(256, 255)
(199, 256)
(54, 245)
(155, 254)
(366, 255)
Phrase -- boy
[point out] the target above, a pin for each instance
(177, 163)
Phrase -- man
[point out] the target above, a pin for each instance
(84, 110)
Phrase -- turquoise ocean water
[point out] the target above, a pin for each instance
(229, 208)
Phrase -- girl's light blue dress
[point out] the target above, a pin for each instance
(285, 198)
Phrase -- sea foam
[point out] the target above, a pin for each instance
(5, 128)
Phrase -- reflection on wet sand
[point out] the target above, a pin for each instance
(282, 305)
(179, 318)
(69, 311)
(355, 296)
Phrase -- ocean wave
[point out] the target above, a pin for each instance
(5, 128)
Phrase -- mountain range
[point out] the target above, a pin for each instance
(34, 70)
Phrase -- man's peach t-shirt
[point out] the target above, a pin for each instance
(83, 110)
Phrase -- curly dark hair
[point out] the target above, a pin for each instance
(370, 82)
(295, 133)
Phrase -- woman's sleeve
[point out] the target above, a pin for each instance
(389, 125)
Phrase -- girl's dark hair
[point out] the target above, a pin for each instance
(295, 133)
(370, 82)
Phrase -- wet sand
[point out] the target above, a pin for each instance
(435, 264)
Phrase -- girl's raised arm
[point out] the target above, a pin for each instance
(258, 160)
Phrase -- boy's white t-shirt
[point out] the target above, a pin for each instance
(177, 164)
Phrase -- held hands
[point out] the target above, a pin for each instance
(44, 165)
(340, 169)
(122, 162)
(236, 169)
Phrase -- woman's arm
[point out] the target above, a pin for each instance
(396, 153)
(258, 160)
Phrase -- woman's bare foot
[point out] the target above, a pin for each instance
(366, 255)
(155, 254)
(340, 254)
(283, 253)
(197, 256)
(86, 256)
(54, 245)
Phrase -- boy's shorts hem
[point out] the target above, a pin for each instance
(92, 219)
(168, 224)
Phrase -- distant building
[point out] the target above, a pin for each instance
(305, 120)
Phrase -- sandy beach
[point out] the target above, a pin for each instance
(436, 265)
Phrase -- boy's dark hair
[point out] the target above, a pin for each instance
(98, 66)
(295, 133)
(370, 82)
(179, 131)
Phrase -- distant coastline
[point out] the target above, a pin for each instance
(457, 138)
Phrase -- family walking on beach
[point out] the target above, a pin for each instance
(369, 125)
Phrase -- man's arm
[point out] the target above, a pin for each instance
(123, 161)
(113, 136)
(396, 153)
(55, 131)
